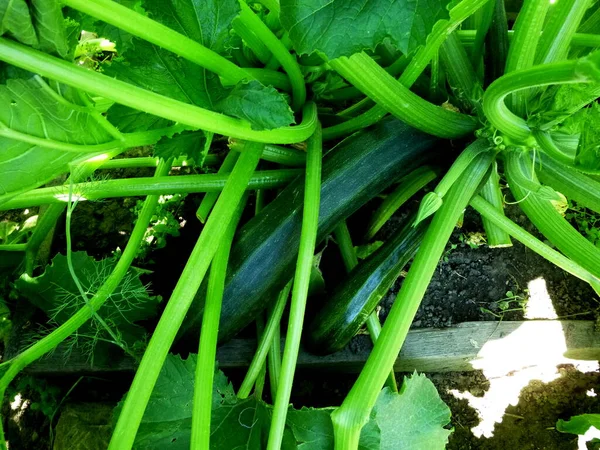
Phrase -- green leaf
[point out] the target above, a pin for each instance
(260, 105)
(188, 144)
(556, 102)
(50, 26)
(586, 124)
(359, 25)
(207, 22)
(165, 73)
(579, 424)
(129, 120)
(414, 418)
(15, 19)
(56, 293)
(29, 107)
(41, 25)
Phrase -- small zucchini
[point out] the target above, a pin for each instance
(348, 307)
(265, 249)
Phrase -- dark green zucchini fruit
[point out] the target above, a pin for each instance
(265, 249)
(351, 303)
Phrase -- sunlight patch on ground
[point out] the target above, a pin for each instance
(510, 361)
(539, 304)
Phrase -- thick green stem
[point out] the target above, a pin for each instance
(210, 238)
(205, 364)
(279, 51)
(210, 198)
(131, 187)
(310, 219)
(364, 73)
(546, 143)
(344, 241)
(13, 247)
(485, 16)
(562, 23)
(285, 156)
(582, 70)
(141, 26)
(265, 343)
(461, 75)
(415, 68)
(251, 40)
(126, 94)
(521, 53)
(488, 211)
(149, 161)
(349, 418)
(497, 43)
(496, 236)
(50, 342)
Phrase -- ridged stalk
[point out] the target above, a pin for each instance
(210, 198)
(416, 67)
(460, 74)
(265, 344)
(562, 23)
(206, 361)
(310, 219)
(521, 53)
(583, 70)
(364, 73)
(131, 187)
(496, 236)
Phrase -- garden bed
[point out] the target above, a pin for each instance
(480, 353)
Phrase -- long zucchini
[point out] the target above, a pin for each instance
(351, 303)
(263, 255)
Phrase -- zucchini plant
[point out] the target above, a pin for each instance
(304, 87)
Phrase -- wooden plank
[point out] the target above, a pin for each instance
(495, 347)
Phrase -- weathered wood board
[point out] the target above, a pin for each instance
(495, 347)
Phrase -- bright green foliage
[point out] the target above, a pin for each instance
(415, 418)
(579, 424)
(342, 28)
(260, 105)
(38, 23)
(163, 72)
(29, 107)
(57, 295)
(188, 143)
(129, 120)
